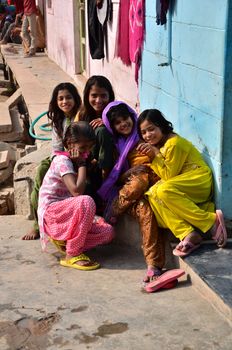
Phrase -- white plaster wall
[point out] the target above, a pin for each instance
(121, 76)
(61, 48)
(60, 34)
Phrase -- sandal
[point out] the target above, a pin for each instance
(89, 265)
(188, 245)
(60, 245)
(167, 280)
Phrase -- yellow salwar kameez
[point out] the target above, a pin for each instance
(181, 200)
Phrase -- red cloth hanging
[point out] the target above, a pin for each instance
(122, 41)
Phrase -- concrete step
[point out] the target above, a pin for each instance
(210, 270)
(5, 119)
(16, 132)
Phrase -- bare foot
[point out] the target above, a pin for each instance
(191, 242)
(194, 237)
(31, 235)
(152, 274)
(218, 230)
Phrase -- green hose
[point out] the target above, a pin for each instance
(42, 127)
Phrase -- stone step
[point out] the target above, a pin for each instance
(4, 159)
(210, 270)
(5, 119)
(16, 132)
(3, 207)
(7, 201)
(14, 99)
(6, 173)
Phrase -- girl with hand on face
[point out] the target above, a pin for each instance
(63, 107)
(126, 184)
(98, 92)
(66, 216)
(181, 200)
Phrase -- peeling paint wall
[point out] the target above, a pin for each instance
(190, 91)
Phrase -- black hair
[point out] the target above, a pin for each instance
(155, 117)
(87, 112)
(78, 131)
(120, 110)
(55, 113)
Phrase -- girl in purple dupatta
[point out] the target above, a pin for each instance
(124, 188)
(123, 145)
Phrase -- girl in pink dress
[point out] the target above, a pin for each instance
(65, 214)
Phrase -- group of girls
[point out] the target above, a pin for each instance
(106, 160)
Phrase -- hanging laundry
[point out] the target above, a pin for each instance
(97, 9)
(161, 11)
(136, 32)
(122, 40)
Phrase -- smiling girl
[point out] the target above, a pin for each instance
(181, 200)
(98, 92)
(63, 107)
(127, 182)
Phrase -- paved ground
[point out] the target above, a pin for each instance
(46, 306)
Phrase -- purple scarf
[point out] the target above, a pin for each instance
(123, 145)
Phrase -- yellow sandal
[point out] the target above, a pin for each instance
(60, 245)
(90, 265)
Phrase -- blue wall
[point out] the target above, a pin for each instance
(190, 91)
(227, 123)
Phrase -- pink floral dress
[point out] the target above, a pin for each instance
(67, 218)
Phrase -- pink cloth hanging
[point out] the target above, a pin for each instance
(130, 36)
(136, 32)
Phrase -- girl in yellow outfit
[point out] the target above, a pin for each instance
(181, 200)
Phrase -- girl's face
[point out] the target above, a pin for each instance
(98, 98)
(83, 147)
(123, 125)
(151, 133)
(65, 102)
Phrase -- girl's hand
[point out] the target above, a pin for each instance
(74, 154)
(148, 150)
(96, 123)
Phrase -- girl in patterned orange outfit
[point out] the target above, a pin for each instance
(128, 181)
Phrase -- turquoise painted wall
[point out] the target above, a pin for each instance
(190, 91)
(227, 123)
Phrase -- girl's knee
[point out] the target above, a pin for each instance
(109, 233)
(87, 203)
(163, 191)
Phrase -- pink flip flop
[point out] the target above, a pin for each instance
(190, 248)
(221, 230)
(165, 279)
